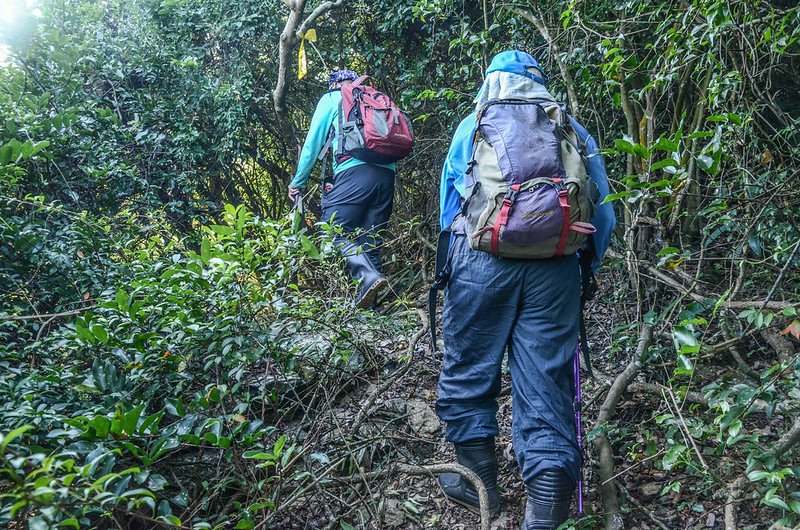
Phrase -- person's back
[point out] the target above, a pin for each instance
(528, 306)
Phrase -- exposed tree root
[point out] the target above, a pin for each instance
(605, 453)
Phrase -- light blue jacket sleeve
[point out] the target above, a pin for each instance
(318, 131)
(604, 219)
(452, 185)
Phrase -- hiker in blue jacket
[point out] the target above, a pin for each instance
(528, 307)
(357, 197)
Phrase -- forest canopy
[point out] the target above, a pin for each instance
(178, 349)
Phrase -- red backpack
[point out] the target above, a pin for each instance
(371, 127)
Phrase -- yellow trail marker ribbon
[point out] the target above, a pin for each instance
(302, 59)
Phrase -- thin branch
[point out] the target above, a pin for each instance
(49, 316)
(430, 470)
(320, 10)
(555, 53)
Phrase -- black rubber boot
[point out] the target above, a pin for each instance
(477, 455)
(549, 497)
(370, 281)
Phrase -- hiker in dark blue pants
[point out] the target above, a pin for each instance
(531, 309)
(358, 196)
(528, 308)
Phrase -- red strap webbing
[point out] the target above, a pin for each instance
(502, 218)
(583, 228)
(563, 201)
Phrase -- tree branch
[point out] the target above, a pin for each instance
(286, 45)
(295, 27)
(555, 53)
(320, 10)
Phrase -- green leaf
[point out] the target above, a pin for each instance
(175, 406)
(667, 162)
(683, 335)
(99, 427)
(5, 155)
(27, 147)
(665, 144)
(734, 118)
(279, 446)
(16, 433)
(775, 502)
(38, 523)
(205, 250)
(223, 230)
(135, 308)
(757, 475)
(705, 162)
(123, 300)
(38, 147)
(131, 419)
(100, 333)
(634, 149)
(16, 150)
(666, 251)
(83, 331)
(685, 366)
(309, 247)
(615, 196)
(258, 455)
(156, 482)
(735, 428)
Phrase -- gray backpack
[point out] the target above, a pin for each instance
(528, 193)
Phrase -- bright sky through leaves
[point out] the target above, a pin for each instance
(11, 12)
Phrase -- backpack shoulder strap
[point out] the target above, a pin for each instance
(359, 80)
(339, 134)
(441, 277)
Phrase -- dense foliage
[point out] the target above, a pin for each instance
(175, 351)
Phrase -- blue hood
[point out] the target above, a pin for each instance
(517, 62)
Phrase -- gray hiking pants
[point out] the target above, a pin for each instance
(530, 308)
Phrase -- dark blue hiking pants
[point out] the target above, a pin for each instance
(359, 200)
(530, 307)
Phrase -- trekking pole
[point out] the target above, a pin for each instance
(577, 379)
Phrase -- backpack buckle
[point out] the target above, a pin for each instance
(511, 194)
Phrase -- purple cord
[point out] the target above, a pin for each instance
(577, 379)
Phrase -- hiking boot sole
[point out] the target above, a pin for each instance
(369, 297)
